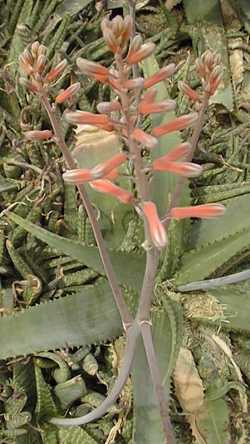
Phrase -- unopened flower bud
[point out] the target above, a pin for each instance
(37, 135)
(32, 85)
(34, 49)
(107, 187)
(77, 176)
(42, 50)
(163, 74)
(117, 25)
(135, 44)
(206, 211)
(108, 107)
(110, 40)
(24, 64)
(144, 138)
(188, 91)
(145, 107)
(177, 124)
(156, 228)
(68, 93)
(57, 71)
(84, 117)
(136, 83)
(185, 169)
(93, 69)
(178, 152)
(40, 64)
(105, 168)
(145, 51)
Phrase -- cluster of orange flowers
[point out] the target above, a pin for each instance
(134, 99)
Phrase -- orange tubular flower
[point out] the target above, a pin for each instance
(134, 83)
(78, 176)
(54, 73)
(92, 69)
(186, 169)
(108, 107)
(147, 107)
(163, 74)
(145, 139)
(110, 40)
(105, 168)
(206, 211)
(149, 96)
(145, 51)
(177, 124)
(177, 153)
(37, 135)
(82, 117)
(156, 228)
(189, 92)
(68, 93)
(107, 187)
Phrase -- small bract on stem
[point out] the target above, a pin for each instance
(133, 100)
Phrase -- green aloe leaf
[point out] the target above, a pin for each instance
(72, 7)
(217, 241)
(75, 435)
(87, 317)
(128, 267)
(202, 263)
(45, 405)
(235, 299)
(206, 232)
(214, 423)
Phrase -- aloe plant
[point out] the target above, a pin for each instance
(60, 312)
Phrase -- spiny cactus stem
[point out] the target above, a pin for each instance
(117, 294)
(193, 142)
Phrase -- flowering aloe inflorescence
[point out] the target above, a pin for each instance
(135, 98)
